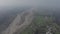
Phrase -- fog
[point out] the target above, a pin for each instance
(10, 4)
(17, 2)
(47, 3)
(10, 9)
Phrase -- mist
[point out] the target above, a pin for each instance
(11, 4)
(49, 3)
(15, 15)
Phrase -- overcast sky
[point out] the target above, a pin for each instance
(50, 3)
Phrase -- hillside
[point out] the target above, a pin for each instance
(20, 22)
(42, 24)
(31, 21)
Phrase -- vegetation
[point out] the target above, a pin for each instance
(39, 25)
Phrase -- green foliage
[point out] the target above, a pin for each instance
(27, 31)
(40, 24)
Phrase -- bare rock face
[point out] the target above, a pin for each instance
(20, 22)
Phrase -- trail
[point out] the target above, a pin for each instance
(20, 23)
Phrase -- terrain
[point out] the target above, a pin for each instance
(20, 22)
(42, 24)
(30, 21)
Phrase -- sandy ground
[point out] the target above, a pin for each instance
(18, 25)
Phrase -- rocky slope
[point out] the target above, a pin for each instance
(20, 22)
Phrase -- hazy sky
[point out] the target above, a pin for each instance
(16, 2)
(50, 3)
